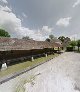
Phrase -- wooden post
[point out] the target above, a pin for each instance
(46, 55)
(4, 66)
(32, 59)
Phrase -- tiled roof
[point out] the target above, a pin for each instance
(21, 44)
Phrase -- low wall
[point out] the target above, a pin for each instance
(21, 55)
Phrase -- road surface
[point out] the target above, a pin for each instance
(61, 74)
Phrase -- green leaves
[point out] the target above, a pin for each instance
(78, 43)
(4, 33)
(62, 38)
(73, 43)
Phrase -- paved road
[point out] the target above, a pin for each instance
(61, 74)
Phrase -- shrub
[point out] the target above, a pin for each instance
(69, 48)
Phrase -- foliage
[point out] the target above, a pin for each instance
(69, 48)
(62, 38)
(26, 38)
(48, 39)
(4, 33)
(67, 39)
(73, 43)
(51, 37)
(78, 43)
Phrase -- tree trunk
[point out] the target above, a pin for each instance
(78, 48)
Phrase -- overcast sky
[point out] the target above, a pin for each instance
(40, 18)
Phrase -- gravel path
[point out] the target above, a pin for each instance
(61, 74)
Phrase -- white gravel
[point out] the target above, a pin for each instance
(62, 74)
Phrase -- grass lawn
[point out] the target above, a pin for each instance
(19, 67)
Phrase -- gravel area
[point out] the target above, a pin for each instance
(61, 74)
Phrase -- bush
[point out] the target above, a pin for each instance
(69, 48)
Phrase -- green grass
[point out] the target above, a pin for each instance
(21, 66)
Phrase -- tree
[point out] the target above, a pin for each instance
(73, 44)
(51, 37)
(62, 38)
(67, 39)
(27, 38)
(4, 33)
(78, 44)
(48, 39)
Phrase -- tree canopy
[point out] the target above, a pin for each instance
(27, 38)
(48, 39)
(62, 38)
(4, 33)
(51, 38)
(73, 43)
(78, 43)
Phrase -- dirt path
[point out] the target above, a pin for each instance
(62, 74)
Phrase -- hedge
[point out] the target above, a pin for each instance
(69, 48)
